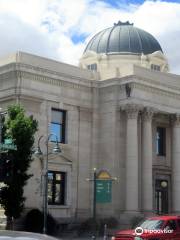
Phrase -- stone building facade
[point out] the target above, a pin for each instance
(118, 112)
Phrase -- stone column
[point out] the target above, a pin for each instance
(176, 164)
(132, 189)
(147, 155)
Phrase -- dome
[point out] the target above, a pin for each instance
(123, 38)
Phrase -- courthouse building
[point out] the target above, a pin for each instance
(118, 112)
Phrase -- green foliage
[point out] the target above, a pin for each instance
(34, 222)
(21, 129)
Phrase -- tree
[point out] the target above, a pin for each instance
(21, 129)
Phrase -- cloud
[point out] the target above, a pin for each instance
(16, 35)
(60, 29)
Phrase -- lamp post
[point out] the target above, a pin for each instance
(94, 197)
(38, 152)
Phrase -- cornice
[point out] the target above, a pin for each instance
(25, 71)
(157, 91)
(47, 76)
(53, 81)
(157, 83)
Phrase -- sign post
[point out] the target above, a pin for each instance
(102, 190)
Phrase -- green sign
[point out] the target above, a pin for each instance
(8, 141)
(4, 147)
(103, 191)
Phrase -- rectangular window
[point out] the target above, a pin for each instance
(58, 124)
(161, 141)
(92, 67)
(155, 67)
(56, 187)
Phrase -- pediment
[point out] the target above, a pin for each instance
(60, 159)
(65, 159)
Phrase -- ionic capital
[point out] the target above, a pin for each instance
(132, 110)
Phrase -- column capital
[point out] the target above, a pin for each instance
(148, 113)
(175, 119)
(132, 110)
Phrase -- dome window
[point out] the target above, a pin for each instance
(92, 67)
(155, 67)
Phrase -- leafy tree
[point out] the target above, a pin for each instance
(21, 129)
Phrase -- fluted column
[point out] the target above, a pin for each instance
(147, 155)
(132, 189)
(176, 164)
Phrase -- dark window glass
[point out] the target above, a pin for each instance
(58, 124)
(92, 67)
(155, 67)
(171, 225)
(56, 188)
(161, 141)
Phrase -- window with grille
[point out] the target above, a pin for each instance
(56, 187)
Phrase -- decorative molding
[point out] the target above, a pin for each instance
(157, 91)
(17, 70)
(59, 79)
(132, 110)
(52, 81)
(175, 119)
(148, 113)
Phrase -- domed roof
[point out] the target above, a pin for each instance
(123, 38)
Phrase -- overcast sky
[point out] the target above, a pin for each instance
(60, 29)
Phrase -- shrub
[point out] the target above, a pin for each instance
(34, 222)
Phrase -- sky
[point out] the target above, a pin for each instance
(61, 29)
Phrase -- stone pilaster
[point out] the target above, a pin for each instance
(132, 185)
(147, 155)
(176, 164)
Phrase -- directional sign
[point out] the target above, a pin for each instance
(103, 191)
(8, 141)
(4, 147)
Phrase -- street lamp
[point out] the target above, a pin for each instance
(38, 152)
